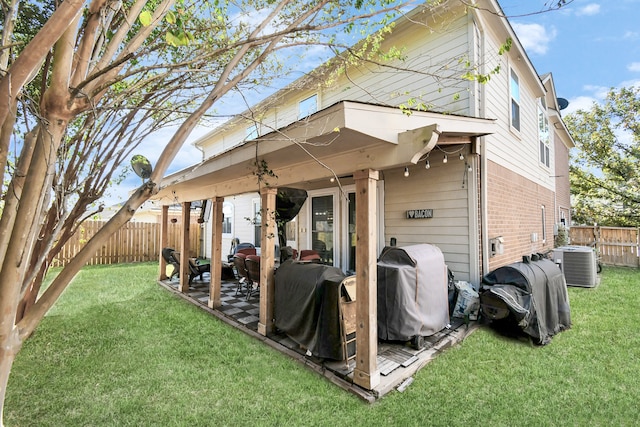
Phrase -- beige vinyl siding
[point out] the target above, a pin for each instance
(433, 51)
(517, 151)
(429, 53)
(439, 188)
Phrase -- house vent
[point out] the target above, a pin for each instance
(578, 263)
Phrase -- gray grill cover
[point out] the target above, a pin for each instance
(536, 295)
(412, 292)
(307, 306)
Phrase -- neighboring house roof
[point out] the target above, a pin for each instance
(554, 110)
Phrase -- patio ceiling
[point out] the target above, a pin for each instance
(340, 139)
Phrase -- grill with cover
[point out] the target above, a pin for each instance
(413, 300)
(531, 295)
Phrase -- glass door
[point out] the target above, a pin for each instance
(351, 238)
(322, 238)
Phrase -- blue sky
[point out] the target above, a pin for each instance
(589, 47)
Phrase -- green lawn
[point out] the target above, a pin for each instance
(119, 350)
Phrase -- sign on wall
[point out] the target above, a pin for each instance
(419, 213)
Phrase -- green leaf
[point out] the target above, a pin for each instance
(171, 17)
(172, 39)
(145, 18)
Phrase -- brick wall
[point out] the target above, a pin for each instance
(514, 207)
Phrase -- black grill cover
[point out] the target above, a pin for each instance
(307, 306)
(413, 298)
(536, 295)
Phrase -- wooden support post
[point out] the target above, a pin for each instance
(267, 259)
(216, 252)
(366, 373)
(185, 247)
(164, 241)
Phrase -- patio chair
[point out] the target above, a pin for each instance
(194, 268)
(167, 254)
(246, 248)
(241, 270)
(252, 262)
(197, 268)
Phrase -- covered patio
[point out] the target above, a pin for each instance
(349, 139)
(397, 363)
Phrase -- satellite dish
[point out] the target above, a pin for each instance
(562, 103)
(141, 166)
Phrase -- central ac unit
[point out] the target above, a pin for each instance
(579, 265)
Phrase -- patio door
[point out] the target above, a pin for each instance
(351, 233)
(322, 227)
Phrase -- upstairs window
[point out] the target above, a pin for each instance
(307, 106)
(515, 100)
(543, 135)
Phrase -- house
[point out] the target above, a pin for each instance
(480, 169)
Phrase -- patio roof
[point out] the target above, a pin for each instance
(340, 139)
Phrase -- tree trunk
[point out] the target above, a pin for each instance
(9, 347)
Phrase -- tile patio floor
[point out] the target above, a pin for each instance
(397, 362)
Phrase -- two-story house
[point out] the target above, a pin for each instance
(482, 173)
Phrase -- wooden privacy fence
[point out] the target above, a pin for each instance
(134, 242)
(616, 245)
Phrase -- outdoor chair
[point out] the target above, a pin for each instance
(167, 254)
(252, 262)
(197, 267)
(194, 268)
(246, 248)
(241, 270)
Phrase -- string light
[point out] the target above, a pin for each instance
(427, 165)
(461, 156)
(406, 171)
(445, 159)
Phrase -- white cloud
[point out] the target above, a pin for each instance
(631, 83)
(589, 10)
(634, 66)
(535, 37)
(598, 92)
(579, 103)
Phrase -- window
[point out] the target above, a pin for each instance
(252, 132)
(515, 101)
(227, 218)
(543, 135)
(308, 106)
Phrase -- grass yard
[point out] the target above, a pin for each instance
(117, 350)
